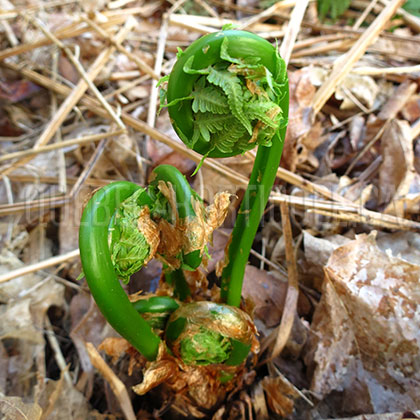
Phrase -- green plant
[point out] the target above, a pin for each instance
(227, 93)
(332, 8)
(233, 82)
(413, 7)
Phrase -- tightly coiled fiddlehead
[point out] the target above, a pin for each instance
(227, 93)
(123, 227)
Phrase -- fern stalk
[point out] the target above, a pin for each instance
(251, 75)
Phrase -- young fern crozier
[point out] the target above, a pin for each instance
(227, 93)
(123, 227)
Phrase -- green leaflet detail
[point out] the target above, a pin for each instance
(179, 52)
(209, 99)
(207, 124)
(205, 347)
(224, 53)
(260, 110)
(232, 87)
(234, 102)
(226, 139)
(129, 248)
(189, 70)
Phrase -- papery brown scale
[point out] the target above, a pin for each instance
(150, 231)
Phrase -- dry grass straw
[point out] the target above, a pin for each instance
(50, 262)
(345, 63)
(144, 67)
(117, 386)
(290, 304)
(74, 96)
(351, 212)
(71, 31)
(61, 145)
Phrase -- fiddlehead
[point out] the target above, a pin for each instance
(227, 93)
(124, 226)
(100, 272)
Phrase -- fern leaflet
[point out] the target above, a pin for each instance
(227, 139)
(210, 99)
(259, 110)
(232, 87)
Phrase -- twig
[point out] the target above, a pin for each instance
(40, 204)
(115, 383)
(265, 14)
(367, 147)
(65, 143)
(411, 20)
(50, 262)
(206, 22)
(144, 67)
(354, 99)
(290, 304)
(96, 183)
(346, 62)
(53, 398)
(343, 44)
(363, 16)
(207, 8)
(71, 31)
(351, 211)
(374, 71)
(10, 34)
(293, 28)
(304, 43)
(88, 168)
(58, 355)
(86, 77)
(13, 13)
(61, 158)
(163, 33)
(73, 96)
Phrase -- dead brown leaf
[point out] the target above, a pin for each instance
(280, 395)
(404, 245)
(396, 103)
(13, 408)
(411, 110)
(267, 292)
(398, 182)
(302, 92)
(365, 328)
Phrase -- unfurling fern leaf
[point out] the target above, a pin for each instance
(264, 112)
(226, 140)
(207, 123)
(214, 123)
(209, 99)
(232, 87)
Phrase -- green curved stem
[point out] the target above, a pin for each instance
(156, 304)
(184, 198)
(248, 218)
(190, 65)
(100, 274)
(206, 51)
(176, 278)
(181, 187)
